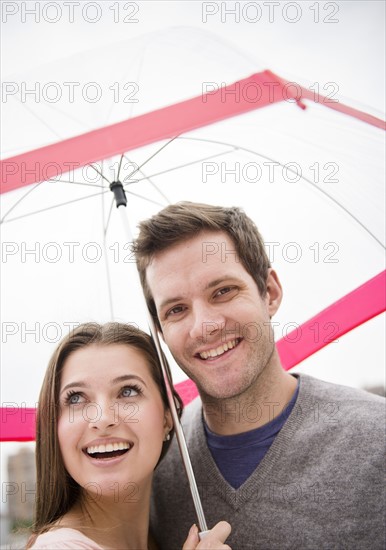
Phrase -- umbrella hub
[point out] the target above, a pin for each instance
(119, 193)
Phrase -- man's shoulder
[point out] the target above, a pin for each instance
(322, 390)
(342, 408)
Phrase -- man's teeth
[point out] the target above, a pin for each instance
(110, 447)
(220, 350)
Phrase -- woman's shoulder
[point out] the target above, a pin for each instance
(64, 538)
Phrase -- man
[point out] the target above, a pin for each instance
(289, 461)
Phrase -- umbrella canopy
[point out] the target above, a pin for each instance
(306, 168)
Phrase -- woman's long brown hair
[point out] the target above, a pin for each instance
(56, 491)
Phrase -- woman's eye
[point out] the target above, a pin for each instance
(74, 399)
(130, 391)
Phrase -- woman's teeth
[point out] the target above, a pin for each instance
(215, 352)
(108, 448)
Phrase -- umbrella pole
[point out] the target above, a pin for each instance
(120, 197)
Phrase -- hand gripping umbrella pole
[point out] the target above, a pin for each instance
(121, 200)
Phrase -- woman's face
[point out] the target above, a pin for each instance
(112, 420)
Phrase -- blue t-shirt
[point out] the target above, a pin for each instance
(237, 456)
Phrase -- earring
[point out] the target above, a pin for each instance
(167, 437)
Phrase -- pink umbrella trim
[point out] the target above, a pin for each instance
(18, 423)
(357, 307)
(59, 158)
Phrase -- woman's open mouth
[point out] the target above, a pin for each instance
(108, 451)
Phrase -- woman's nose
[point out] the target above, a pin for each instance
(102, 415)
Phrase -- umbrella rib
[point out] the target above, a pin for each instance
(343, 208)
(152, 156)
(289, 169)
(19, 201)
(136, 170)
(308, 181)
(144, 198)
(40, 182)
(57, 110)
(119, 167)
(76, 183)
(38, 118)
(100, 173)
(141, 58)
(186, 164)
(106, 190)
(155, 187)
(108, 217)
(335, 201)
(56, 206)
(235, 147)
(105, 255)
(151, 182)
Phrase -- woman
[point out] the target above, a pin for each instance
(103, 425)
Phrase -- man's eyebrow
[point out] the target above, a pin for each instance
(170, 301)
(123, 378)
(219, 281)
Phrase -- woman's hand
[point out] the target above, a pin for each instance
(213, 540)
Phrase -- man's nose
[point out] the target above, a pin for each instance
(207, 321)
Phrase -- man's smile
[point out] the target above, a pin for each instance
(219, 350)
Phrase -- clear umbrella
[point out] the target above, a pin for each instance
(311, 179)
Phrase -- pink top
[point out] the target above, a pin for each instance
(63, 539)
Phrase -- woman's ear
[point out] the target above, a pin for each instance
(274, 292)
(168, 421)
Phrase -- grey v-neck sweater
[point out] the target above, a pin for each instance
(320, 485)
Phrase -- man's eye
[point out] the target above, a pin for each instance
(174, 311)
(224, 290)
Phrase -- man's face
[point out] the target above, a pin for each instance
(213, 319)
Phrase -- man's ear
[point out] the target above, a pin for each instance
(274, 292)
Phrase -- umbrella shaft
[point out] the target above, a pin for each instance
(167, 378)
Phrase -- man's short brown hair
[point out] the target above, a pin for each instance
(185, 220)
